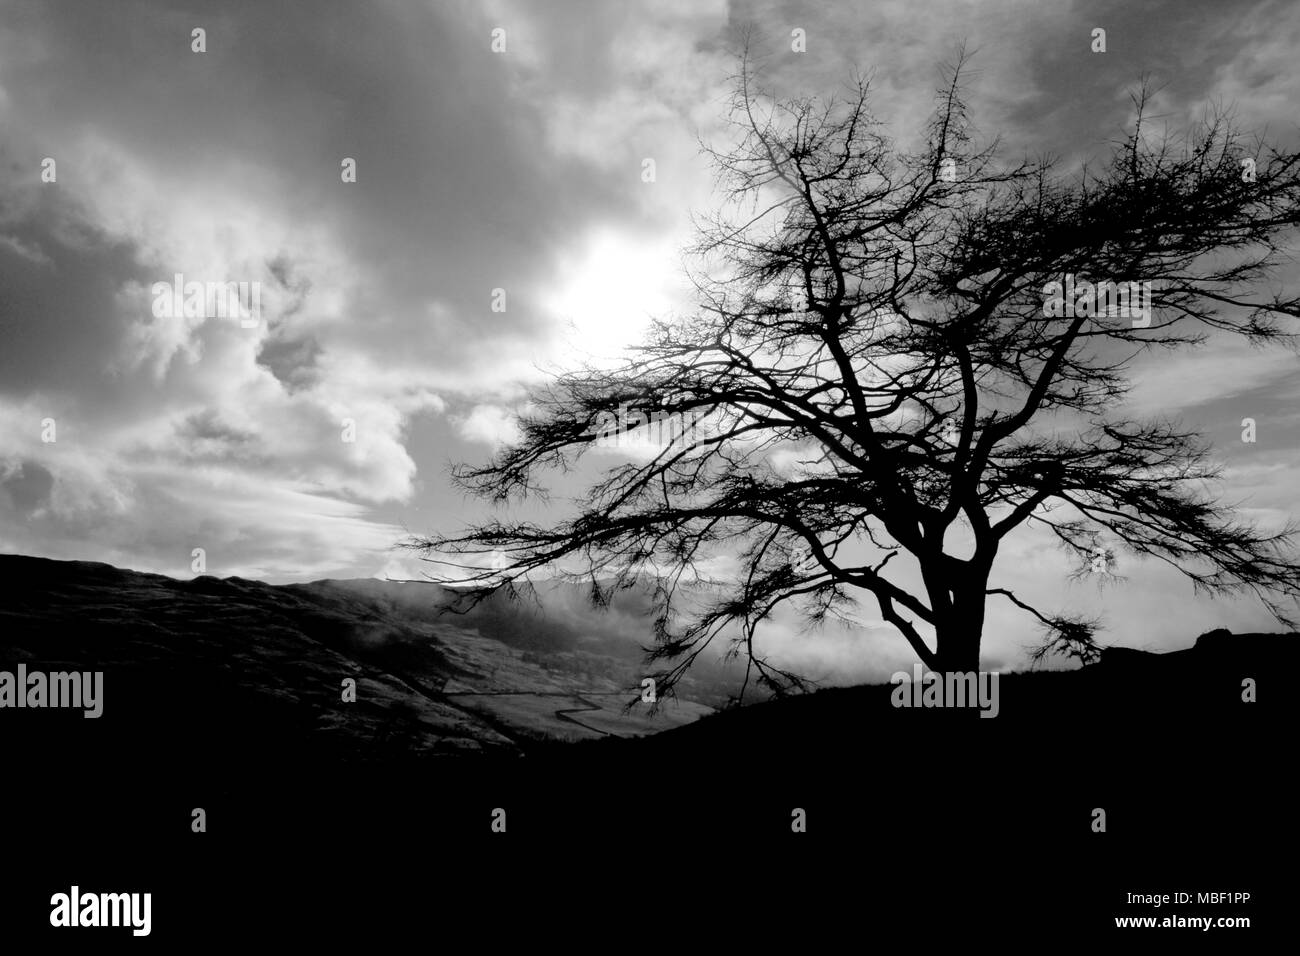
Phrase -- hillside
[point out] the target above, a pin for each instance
(244, 671)
(247, 673)
(224, 694)
(1178, 700)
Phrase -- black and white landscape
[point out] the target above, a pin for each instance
(831, 465)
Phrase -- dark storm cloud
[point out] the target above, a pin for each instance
(455, 194)
(26, 487)
(58, 278)
(291, 361)
(225, 165)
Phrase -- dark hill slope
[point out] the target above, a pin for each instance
(235, 670)
(238, 673)
(1131, 701)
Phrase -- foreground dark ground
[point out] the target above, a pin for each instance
(321, 816)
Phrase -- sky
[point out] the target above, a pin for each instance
(480, 172)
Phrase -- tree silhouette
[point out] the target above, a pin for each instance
(910, 353)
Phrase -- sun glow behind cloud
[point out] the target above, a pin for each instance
(614, 286)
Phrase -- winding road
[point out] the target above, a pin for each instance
(562, 713)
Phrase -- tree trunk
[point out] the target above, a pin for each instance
(957, 637)
(958, 646)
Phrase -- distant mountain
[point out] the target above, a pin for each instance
(241, 671)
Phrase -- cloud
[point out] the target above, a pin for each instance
(489, 424)
(376, 295)
(1227, 368)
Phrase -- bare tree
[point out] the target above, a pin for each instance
(913, 353)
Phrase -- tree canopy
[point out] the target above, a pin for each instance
(892, 344)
